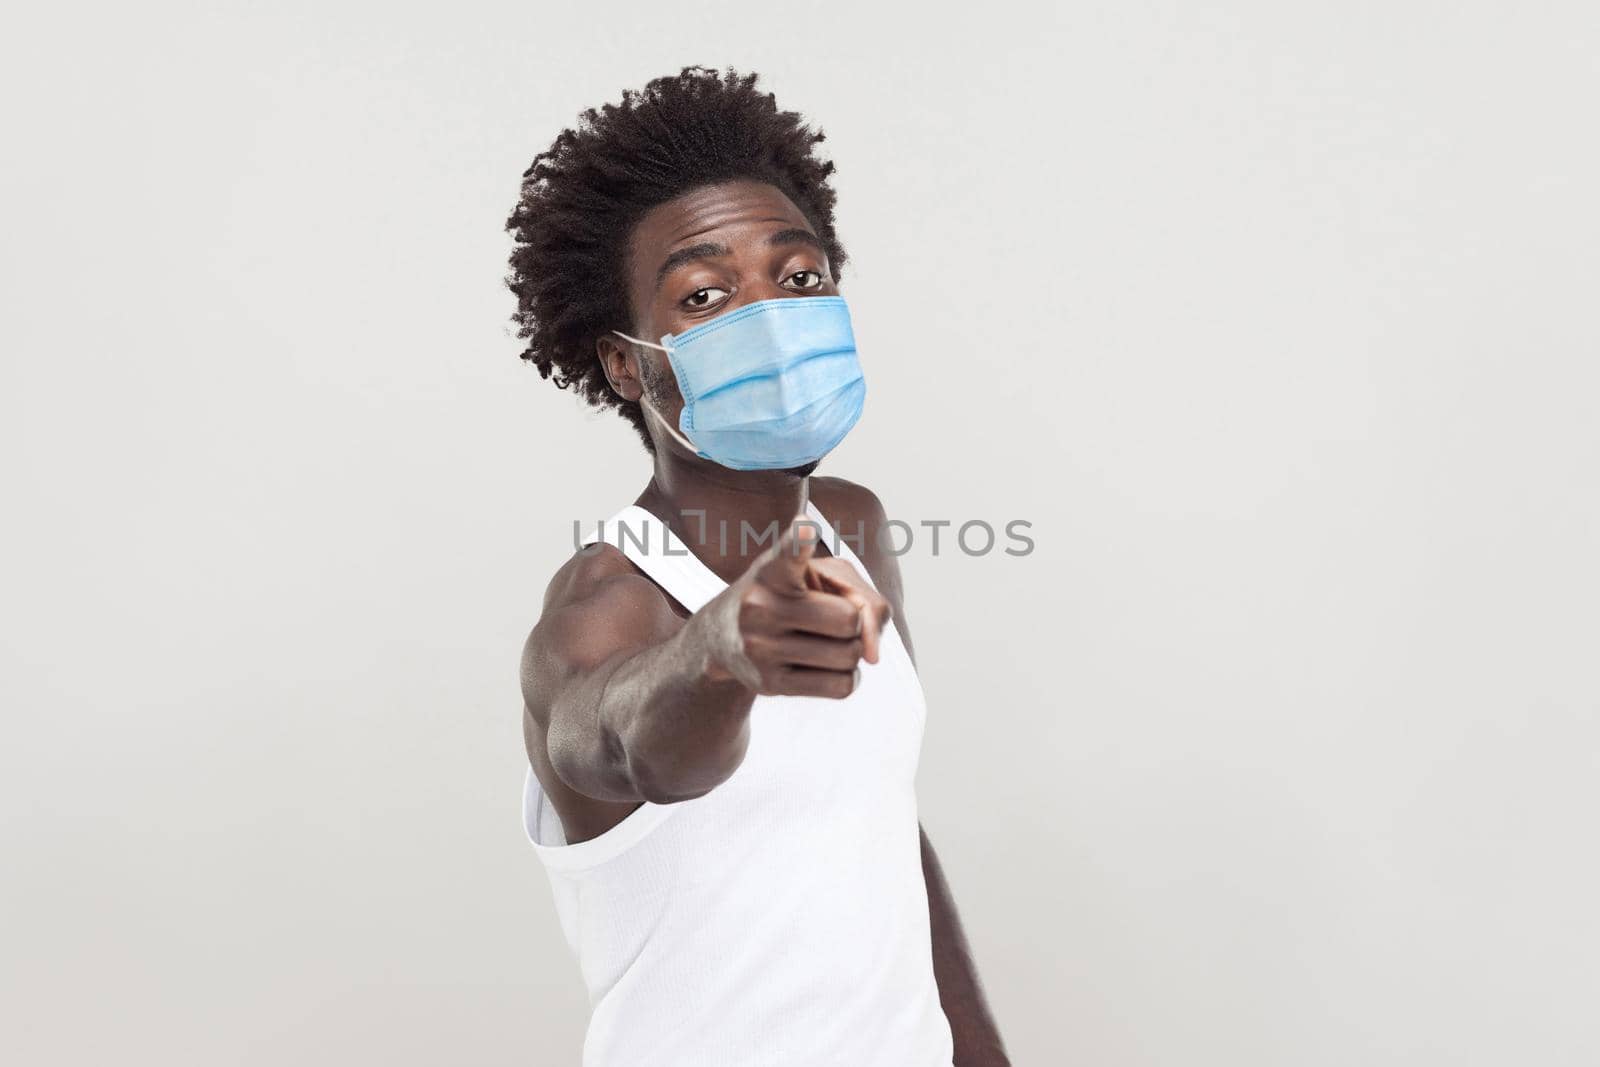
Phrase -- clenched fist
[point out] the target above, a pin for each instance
(796, 625)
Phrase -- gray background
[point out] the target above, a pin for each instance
(1276, 321)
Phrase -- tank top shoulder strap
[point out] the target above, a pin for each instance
(838, 541)
(652, 547)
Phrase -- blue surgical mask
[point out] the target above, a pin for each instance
(771, 385)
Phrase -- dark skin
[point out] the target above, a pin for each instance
(628, 696)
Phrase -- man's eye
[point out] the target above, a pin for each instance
(701, 297)
(806, 279)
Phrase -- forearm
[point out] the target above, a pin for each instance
(972, 1025)
(678, 722)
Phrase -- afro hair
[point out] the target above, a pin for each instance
(582, 197)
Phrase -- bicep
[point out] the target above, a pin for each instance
(577, 645)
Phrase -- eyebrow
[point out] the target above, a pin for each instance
(706, 250)
(683, 256)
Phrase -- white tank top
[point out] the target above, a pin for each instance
(782, 918)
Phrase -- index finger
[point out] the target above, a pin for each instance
(784, 569)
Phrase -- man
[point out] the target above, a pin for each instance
(722, 716)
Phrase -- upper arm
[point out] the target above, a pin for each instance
(599, 612)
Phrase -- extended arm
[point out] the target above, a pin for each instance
(630, 701)
(629, 694)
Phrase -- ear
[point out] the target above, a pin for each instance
(620, 362)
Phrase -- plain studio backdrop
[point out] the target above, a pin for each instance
(1277, 323)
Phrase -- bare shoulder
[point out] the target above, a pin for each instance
(596, 606)
(843, 500)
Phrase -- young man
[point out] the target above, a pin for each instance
(722, 716)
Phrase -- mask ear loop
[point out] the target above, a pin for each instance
(647, 344)
(644, 401)
(805, 483)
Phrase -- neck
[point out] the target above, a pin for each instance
(699, 500)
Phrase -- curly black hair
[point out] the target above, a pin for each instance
(582, 197)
